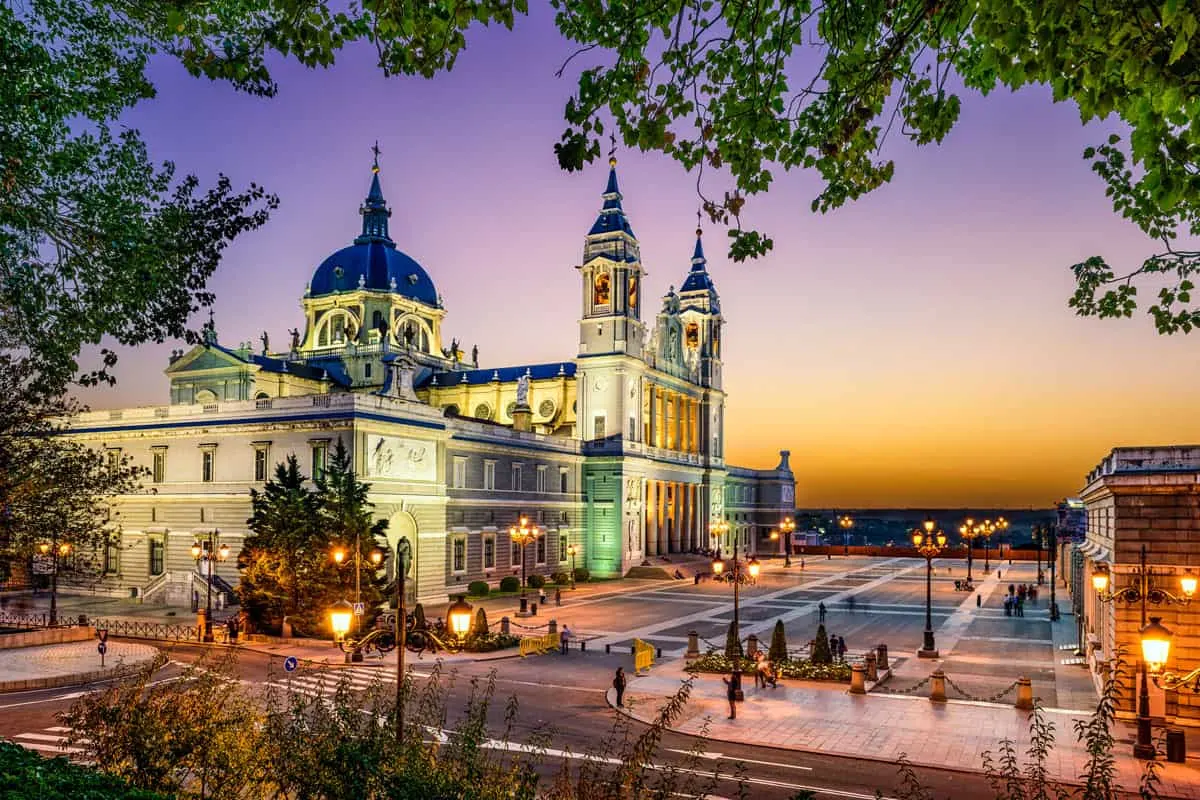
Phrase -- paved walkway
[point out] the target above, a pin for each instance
(820, 718)
(57, 664)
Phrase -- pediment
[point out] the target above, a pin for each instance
(202, 358)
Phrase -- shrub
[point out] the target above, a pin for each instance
(582, 575)
(778, 651)
(479, 627)
(478, 588)
(717, 662)
(510, 583)
(733, 643)
(820, 649)
(536, 581)
(561, 578)
(24, 773)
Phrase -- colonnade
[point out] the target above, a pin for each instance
(673, 520)
(672, 420)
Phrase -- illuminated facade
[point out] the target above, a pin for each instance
(618, 450)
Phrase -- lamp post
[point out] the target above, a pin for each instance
(203, 550)
(339, 555)
(786, 528)
(1053, 531)
(845, 522)
(403, 558)
(1154, 654)
(752, 567)
(571, 551)
(56, 550)
(523, 533)
(968, 532)
(929, 543)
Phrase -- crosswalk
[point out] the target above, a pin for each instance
(325, 683)
(50, 741)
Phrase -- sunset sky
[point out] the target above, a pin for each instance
(912, 349)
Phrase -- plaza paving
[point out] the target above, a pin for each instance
(868, 602)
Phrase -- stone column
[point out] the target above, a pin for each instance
(663, 518)
(651, 518)
(675, 517)
(685, 517)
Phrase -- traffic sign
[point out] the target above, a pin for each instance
(102, 648)
(290, 663)
(360, 609)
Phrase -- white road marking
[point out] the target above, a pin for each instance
(718, 756)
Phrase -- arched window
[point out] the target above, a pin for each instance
(206, 396)
(408, 329)
(262, 396)
(336, 328)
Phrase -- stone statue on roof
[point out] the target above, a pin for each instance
(295, 332)
(523, 390)
(475, 354)
(266, 343)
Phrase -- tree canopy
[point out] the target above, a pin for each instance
(96, 240)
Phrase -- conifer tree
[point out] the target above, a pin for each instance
(733, 643)
(779, 651)
(821, 653)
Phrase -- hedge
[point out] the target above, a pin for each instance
(801, 669)
(510, 583)
(478, 588)
(536, 581)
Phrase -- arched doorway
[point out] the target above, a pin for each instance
(402, 525)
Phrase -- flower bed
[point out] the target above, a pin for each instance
(491, 642)
(800, 669)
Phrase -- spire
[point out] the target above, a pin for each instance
(612, 216)
(374, 210)
(698, 260)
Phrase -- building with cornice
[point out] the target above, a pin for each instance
(618, 450)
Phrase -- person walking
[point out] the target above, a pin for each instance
(821, 613)
(558, 597)
(842, 649)
(731, 695)
(619, 685)
(833, 650)
(564, 639)
(978, 601)
(232, 626)
(542, 596)
(760, 676)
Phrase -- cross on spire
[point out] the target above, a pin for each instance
(698, 218)
(376, 151)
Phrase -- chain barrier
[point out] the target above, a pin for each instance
(915, 687)
(529, 627)
(993, 699)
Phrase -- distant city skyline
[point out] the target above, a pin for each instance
(912, 349)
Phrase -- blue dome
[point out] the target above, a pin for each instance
(381, 267)
(373, 258)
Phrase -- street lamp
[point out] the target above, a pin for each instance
(523, 533)
(929, 543)
(752, 567)
(340, 614)
(1156, 646)
(203, 550)
(571, 551)
(786, 528)
(339, 556)
(459, 617)
(968, 531)
(989, 527)
(845, 522)
(1154, 652)
(717, 530)
(59, 550)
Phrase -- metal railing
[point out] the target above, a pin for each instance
(134, 629)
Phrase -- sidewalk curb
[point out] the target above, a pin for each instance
(610, 697)
(73, 679)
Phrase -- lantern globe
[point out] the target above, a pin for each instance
(459, 615)
(1100, 581)
(1156, 644)
(340, 614)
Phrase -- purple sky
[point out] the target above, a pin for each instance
(911, 349)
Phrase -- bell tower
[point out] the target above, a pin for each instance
(611, 277)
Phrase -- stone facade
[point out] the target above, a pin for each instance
(1141, 496)
(618, 451)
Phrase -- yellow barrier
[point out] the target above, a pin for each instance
(537, 645)
(643, 655)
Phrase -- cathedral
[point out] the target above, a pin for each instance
(616, 453)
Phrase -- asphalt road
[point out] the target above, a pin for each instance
(567, 698)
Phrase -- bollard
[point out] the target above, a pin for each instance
(523, 611)
(937, 686)
(1024, 694)
(658, 653)
(872, 672)
(533, 609)
(751, 647)
(693, 650)
(882, 657)
(857, 685)
(504, 626)
(553, 626)
(607, 649)
(583, 645)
